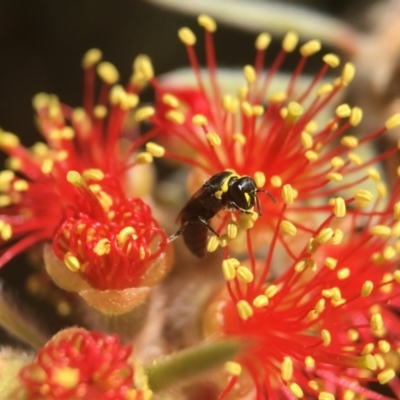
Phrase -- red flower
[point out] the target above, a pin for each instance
(77, 364)
(329, 324)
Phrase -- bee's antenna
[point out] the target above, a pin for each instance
(258, 201)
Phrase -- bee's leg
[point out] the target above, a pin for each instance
(233, 205)
(207, 225)
(176, 234)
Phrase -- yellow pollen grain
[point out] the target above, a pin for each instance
(230, 104)
(260, 301)
(309, 362)
(213, 244)
(66, 377)
(381, 231)
(207, 23)
(91, 57)
(386, 375)
(124, 234)
(14, 163)
(330, 263)
(259, 179)
(213, 139)
(313, 385)
(262, 41)
(72, 262)
(362, 197)
(312, 246)
(239, 138)
(276, 181)
(306, 140)
(117, 93)
(170, 100)
(93, 174)
(244, 309)
(326, 396)
(129, 101)
(247, 109)
(288, 228)
(102, 247)
(232, 230)
(295, 110)
(332, 60)
(67, 133)
(176, 116)
(382, 190)
(8, 140)
(320, 306)
(324, 236)
(6, 231)
(199, 120)
(393, 121)
(250, 74)
(5, 200)
(368, 349)
(367, 288)
(325, 88)
(271, 291)
(376, 322)
(223, 240)
(339, 207)
(277, 97)
(233, 368)
(244, 274)
(155, 149)
(356, 116)
(287, 369)
(288, 195)
(107, 72)
(258, 110)
(143, 157)
(396, 276)
(353, 335)
(186, 36)
(20, 185)
(380, 361)
(242, 93)
(389, 252)
(348, 73)
(144, 113)
(229, 268)
(343, 273)
(384, 346)
(295, 390)
(355, 159)
(47, 166)
(337, 237)
(143, 68)
(374, 174)
(310, 48)
(300, 266)
(368, 361)
(311, 155)
(334, 176)
(349, 141)
(337, 162)
(290, 41)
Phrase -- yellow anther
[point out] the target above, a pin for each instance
(295, 390)
(199, 120)
(376, 322)
(207, 23)
(20, 185)
(325, 88)
(339, 207)
(290, 41)
(393, 121)
(271, 291)
(186, 36)
(353, 335)
(320, 306)
(312, 246)
(300, 266)
(382, 190)
(72, 262)
(212, 244)
(287, 369)
(170, 100)
(244, 274)
(276, 181)
(93, 174)
(313, 385)
(233, 368)
(295, 110)
(91, 57)
(129, 101)
(143, 157)
(381, 231)
(356, 116)
(367, 288)
(337, 237)
(384, 346)
(368, 361)
(332, 60)
(66, 377)
(330, 263)
(229, 268)
(232, 230)
(334, 176)
(102, 247)
(348, 73)
(224, 240)
(343, 273)
(155, 149)
(175, 116)
(47, 166)
(288, 228)
(389, 252)
(324, 236)
(310, 48)
(288, 194)
(244, 309)
(143, 69)
(355, 159)
(311, 155)
(5, 231)
(380, 361)
(230, 104)
(259, 179)
(362, 197)
(124, 234)
(144, 113)
(368, 349)
(40, 100)
(247, 109)
(8, 140)
(277, 97)
(343, 111)
(306, 140)
(349, 141)
(386, 375)
(75, 178)
(250, 74)
(213, 139)
(374, 174)
(108, 73)
(262, 41)
(116, 95)
(326, 396)
(260, 301)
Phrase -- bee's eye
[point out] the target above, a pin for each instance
(242, 192)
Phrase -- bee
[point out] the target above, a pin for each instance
(223, 190)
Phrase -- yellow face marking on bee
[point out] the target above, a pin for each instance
(218, 194)
(248, 198)
(225, 183)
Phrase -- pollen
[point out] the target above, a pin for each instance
(367, 288)
(337, 237)
(287, 369)
(259, 179)
(312, 246)
(102, 247)
(262, 41)
(290, 41)
(230, 104)
(386, 375)
(326, 396)
(170, 100)
(250, 74)
(330, 263)
(8, 140)
(348, 73)
(5, 231)
(20, 185)
(229, 268)
(320, 306)
(207, 23)
(199, 120)
(91, 57)
(276, 181)
(325, 88)
(306, 140)
(374, 174)
(355, 159)
(143, 157)
(300, 266)
(288, 194)
(393, 121)
(175, 116)
(244, 274)
(244, 309)
(247, 109)
(362, 197)
(66, 377)
(332, 60)
(356, 116)
(295, 110)
(75, 178)
(324, 236)
(277, 97)
(310, 48)
(144, 113)
(288, 228)
(334, 176)
(376, 322)
(381, 231)
(186, 36)
(311, 155)
(5, 200)
(233, 368)
(343, 111)
(384, 346)
(232, 230)
(72, 262)
(260, 301)
(155, 149)
(108, 73)
(368, 349)
(213, 243)
(143, 67)
(295, 390)
(339, 207)
(93, 174)
(213, 139)
(271, 291)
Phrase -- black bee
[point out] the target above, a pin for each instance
(223, 190)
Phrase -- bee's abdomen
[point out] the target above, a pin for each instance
(195, 237)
